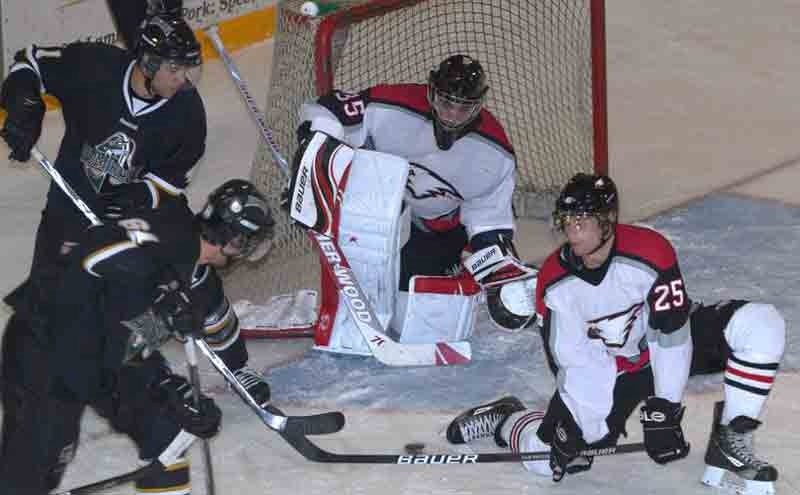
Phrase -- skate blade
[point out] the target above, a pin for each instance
(731, 483)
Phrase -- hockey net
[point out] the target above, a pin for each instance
(545, 62)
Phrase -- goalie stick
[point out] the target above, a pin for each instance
(383, 348)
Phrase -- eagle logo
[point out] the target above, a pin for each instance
(423, 183)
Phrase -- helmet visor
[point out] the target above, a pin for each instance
(453, 112)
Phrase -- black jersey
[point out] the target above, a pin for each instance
(112, 136)
(109, 286)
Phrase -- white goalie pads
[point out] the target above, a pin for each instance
(437, 309)
(369, 223)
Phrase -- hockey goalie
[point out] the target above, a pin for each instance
(414, 183)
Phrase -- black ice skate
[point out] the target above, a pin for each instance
(730, 452)
(482, 421)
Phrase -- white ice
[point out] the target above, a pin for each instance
(703, 96)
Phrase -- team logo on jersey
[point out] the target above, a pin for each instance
(615, 328)
(110, 161)
(424, 183)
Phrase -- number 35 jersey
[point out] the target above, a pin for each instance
(471, 183)
(628, 313)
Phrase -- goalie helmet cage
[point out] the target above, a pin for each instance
(545, 64)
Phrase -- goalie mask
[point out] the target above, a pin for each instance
(456, 91)
(167, 41)
(237, 218)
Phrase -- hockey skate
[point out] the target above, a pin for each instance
(482, 421)
(730, 458)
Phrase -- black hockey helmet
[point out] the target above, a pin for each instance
(456, 91)
(588, 195)
(168, 39)
(237, 217)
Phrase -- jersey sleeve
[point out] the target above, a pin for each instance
(57, 67)
(339, 114)
(491, 210)
(669, 338)
(172, 172)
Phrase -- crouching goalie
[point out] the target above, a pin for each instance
(408, 178)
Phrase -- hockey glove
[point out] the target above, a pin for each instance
(173, 305)
(173, 394)
(23, 103)
(663, 435)
(122, 199)
(171, 7)
(566, 442)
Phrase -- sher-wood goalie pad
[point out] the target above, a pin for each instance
(355, 197)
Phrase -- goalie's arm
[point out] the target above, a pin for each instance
(338, 114)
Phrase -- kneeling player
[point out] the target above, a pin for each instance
(443, 182)
(619, 328)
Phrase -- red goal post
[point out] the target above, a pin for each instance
(546, 67)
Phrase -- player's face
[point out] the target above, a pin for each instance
(583, 232)
(216, 257)
(172, 77)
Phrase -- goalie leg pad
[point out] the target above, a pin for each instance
(372, 227)
(437, 308)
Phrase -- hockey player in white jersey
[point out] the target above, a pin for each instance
(454, 167)
(619, 328)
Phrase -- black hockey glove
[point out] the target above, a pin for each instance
(173, 394)
(171, 7)
(124, 198)
(173, 305)
(663, 435)
(567, 441)
(25, 108)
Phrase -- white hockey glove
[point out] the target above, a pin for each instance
(512, 305)
(497, 264)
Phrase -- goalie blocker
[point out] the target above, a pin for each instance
(356, 197)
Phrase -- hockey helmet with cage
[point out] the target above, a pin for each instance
(237, 218)
(588, 195)
(456, 91)
(168, 39)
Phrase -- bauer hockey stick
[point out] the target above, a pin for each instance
(312, 452)
(383, 348)
(64, 185)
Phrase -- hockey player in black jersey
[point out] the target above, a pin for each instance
(125, 289)
(134, 125)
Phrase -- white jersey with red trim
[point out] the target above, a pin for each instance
(471, 183)
(631, 312)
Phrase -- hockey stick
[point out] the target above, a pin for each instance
(383, 348)
(194, 377)
(64, 185)
(170, 456)
(312, 452)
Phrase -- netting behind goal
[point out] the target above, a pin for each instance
(545, 63)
